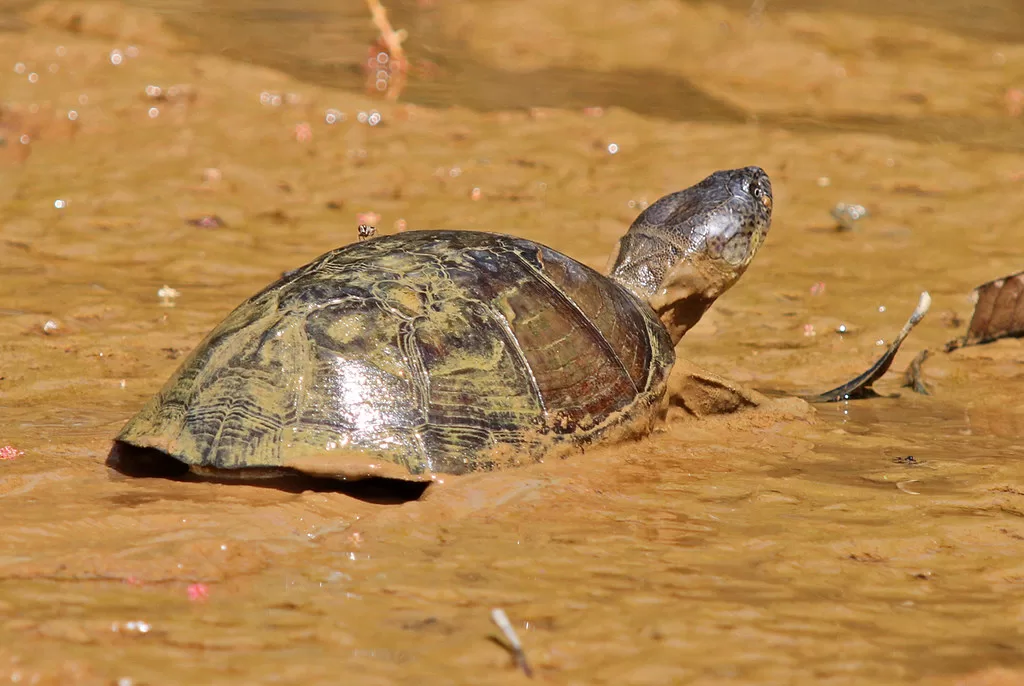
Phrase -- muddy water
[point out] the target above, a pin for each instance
(781, 545)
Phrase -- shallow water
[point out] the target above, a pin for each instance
(780, 545)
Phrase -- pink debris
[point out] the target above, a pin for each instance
(198, 592)
(9, 452)
(133, 581)
(303, 132)
(818, 288)
(1015, 101)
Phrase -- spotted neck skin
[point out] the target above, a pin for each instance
(690, 247)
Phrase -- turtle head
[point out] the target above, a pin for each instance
(690, 247)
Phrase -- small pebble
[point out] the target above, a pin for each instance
(847, 215)
(167, 295)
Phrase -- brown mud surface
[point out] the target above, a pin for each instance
(786, 545)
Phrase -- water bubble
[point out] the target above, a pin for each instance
(613, 148)
(33, 77)
(154, 112)
(24, 139)
(60, 204)
(374, 118)
(824, 181)
(154, 91)
(361, 117)
(334, 116)
(19, 68)
(53, 68)
(83, 99)
(264, 98)
(61, 51)
(383, 57)
(455, 172)
(881, 308)
(72, 115)
(132, 51)
(140, 626)
(381, 84)
(116, 57)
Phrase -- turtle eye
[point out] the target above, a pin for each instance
(757, 192)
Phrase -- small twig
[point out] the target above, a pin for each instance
(913, 377)
(902, 485)
(392, 39)
(499, 617)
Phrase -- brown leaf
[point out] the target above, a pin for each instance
(998, 312)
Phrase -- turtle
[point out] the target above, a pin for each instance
(433, 352)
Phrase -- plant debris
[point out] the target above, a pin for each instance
(207, 221)
(860, 387)
(386, 66)
(998, 312)
(513, 644)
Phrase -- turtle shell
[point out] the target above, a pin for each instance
(413, 354)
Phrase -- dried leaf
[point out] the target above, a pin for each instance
(860, 387)
(998, 312)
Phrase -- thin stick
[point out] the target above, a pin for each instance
(392, 39)
(499, 617)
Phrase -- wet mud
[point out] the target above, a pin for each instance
(874, 541)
